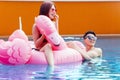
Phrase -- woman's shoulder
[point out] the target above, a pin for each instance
(34, 26)
(35, 29)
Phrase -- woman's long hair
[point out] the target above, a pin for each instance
(45, 7)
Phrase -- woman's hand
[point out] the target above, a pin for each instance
(56, 17)
(56, 22)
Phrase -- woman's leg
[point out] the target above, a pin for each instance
(49, 54)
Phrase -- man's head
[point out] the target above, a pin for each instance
(90, 38)
(88, 32)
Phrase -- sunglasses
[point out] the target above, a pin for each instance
(91, 38)
(54, 10)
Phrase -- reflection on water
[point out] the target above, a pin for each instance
(107, 69)
(74, 71)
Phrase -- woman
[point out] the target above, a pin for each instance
(48, 9)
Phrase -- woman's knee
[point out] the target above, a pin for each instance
(48, 46)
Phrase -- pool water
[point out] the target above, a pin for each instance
(107, 69)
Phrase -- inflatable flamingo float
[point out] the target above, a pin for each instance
(18, 49)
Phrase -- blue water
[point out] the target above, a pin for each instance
(107, 69)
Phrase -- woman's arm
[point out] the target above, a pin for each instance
(57, 22)
(36, 37)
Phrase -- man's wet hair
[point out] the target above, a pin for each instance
(88, 32)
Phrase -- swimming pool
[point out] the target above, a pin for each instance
(108, 69)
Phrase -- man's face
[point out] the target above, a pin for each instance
(90, 40)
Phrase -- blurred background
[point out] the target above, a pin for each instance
(76, 17)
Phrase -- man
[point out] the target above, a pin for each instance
(90, 52)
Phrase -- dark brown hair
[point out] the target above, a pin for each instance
(45, 7)
(88, 32)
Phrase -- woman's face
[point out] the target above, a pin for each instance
(52, 12)
(90, 40)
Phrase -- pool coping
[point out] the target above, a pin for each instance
(107, 35)
(75, 35)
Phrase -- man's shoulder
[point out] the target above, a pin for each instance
(98, 50)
